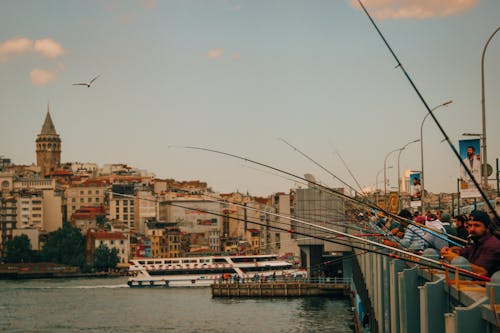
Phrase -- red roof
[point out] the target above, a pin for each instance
(95, 183)
(61, 172)
(107, 235)
(261, 200)
(88, 212)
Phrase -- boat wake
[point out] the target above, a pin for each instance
(105, 286)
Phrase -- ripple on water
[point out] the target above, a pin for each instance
(107, 305)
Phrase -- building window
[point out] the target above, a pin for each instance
(73, 200)
(89, 199)
(96, 199)
(81, 192)
(89, 192)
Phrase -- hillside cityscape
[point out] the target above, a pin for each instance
(134, 214)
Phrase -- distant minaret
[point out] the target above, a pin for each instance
(48, 148)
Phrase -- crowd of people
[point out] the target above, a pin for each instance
(470, 236)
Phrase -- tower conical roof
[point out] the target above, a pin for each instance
(48, 126)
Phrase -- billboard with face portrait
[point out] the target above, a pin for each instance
(415, 189)
(470, 155)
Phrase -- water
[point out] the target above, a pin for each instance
(109, 305)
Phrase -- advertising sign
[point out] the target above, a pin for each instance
(393, 202)
(415, 189)
(469, 153)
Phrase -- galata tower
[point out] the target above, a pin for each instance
(48, 148)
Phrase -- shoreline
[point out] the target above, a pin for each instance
(25, 271)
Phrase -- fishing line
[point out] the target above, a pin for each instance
(324, 188)
(444, 237)
(404, 255)
(355, 237)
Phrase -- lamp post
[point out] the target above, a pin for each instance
(422, 178)
(483, 136)
(378, 173)
(376, 182)
(399, 177)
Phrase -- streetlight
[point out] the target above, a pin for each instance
(376, 177)
(399, 155)
(483, 153)
(376, 183)
(422, 151)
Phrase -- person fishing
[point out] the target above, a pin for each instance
(484, 252)
(413, 237)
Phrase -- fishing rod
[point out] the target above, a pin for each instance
(347, 226)
(443, 237)
(324, 188)
(429, 111)
(319, 165)
(349, 236)
(352, 175)
(226, 202)
(407, 256)
(404, 255)
(306, 223)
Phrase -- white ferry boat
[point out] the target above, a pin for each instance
(203, 271)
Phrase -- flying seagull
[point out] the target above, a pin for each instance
(85, 83)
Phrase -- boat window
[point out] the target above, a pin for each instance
(141, 262)
(260, 259)
(189, 261)
(194, 271)
(150, 262)
(242, 259)
(265, 268)
(220, 260)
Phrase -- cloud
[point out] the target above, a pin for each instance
(411, 9)
(41, 77)
(49, 48)
(215, 53)
(16, 46)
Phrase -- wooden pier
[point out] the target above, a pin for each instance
(279, 289)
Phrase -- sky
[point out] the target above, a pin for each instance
(237, 76)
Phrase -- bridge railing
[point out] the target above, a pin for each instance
(319, 280)
(398, 297)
